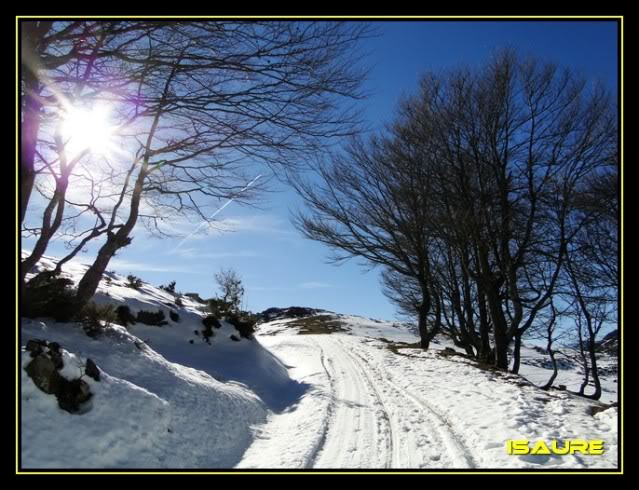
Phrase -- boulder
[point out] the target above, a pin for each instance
(92, 370)
(42, 370)
(35, 347)
(72, 394)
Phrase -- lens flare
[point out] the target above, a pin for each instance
(88, 129)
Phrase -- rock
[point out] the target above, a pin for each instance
(35, 347)
(72, 394)
(92, 370)
(42, 370)
(56, 357)
(191, 341)
(561, 387)
(233, 337)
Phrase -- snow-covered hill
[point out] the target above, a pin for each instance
(315, 390)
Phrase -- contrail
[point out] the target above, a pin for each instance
(215, 213)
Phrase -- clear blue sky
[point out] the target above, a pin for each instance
(279, 267)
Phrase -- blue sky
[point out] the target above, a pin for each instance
(279, 267)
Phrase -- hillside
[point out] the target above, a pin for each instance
(312, 389)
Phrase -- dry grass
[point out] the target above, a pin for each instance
(320, 324)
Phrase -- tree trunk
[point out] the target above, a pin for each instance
(501, 350)
(553, 376)
(31, 34)
(594, 371)
(49, 228)
(423, 328)
(92, 277)
(499, 325)
(422, 322)
(29, 129)
(517, 353)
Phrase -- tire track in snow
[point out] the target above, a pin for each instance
(321, 441)
(442, 428)
(392, 442)
(357, 420)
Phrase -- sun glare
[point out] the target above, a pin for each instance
(88, 129)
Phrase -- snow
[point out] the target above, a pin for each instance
(376, 409)
(146, 412)
(339, 399)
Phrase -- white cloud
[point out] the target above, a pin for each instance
(197, 253)
(127, 265)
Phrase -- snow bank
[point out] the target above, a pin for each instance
(146, 412)
(168, 398)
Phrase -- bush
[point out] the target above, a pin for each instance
(50, 296)
(95, 319)
(124, 316)
(178, 302)
(209, 322)
(174, 316)
(134, 281)
(154, 318)
(218, 307)
(244, 322)
(169, 288)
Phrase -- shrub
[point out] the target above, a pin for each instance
(178, 302)
(174, 316)
(124, 316)
(154, 318)
(134, 281)
(209, 322)
(244, 322)
(169, 288)
(218, 307)
(230, 284)
(95, 319)
(48, 295)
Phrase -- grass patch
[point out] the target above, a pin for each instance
(317, 325)
(396, 347)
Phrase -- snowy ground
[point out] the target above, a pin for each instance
(372, 408)
(342, 400)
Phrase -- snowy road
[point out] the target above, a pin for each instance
(369, 408)
(362, 418)
(397, 429)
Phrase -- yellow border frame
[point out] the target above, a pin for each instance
(344, 17)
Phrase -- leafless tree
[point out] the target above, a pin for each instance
(482, 197)
(372, 202)
(222, 103)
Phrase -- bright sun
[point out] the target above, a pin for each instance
(88, 129)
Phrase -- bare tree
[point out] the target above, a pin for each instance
(60, 84)
(372, 202)
(230, 284)
(472, 193)
(223, 102)
(58, 60)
